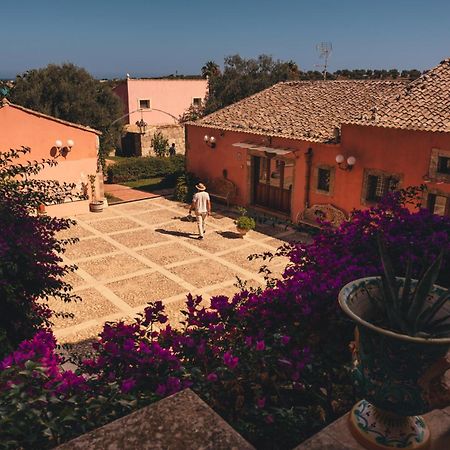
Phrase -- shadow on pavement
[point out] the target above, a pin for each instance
(177, 233)
(229, 234)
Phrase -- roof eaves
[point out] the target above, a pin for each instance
(323, 140)
(5, 102)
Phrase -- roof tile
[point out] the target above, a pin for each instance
(424, 105)
(304, 109)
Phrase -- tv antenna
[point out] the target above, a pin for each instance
(324, 49)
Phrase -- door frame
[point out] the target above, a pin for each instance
(251, 182)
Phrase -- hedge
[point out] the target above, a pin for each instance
(132, 169)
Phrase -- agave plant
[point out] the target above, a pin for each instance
(405, 304)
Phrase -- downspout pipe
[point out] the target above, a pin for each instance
(308, 161)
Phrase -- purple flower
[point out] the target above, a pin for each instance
(261, 402)
(127, 385)
(260, 345)
(212, 377)
(160, 390)
(230, 360)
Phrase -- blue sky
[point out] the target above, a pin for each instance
(153, 37)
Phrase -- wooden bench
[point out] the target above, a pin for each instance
(222, 189)
(328, 213)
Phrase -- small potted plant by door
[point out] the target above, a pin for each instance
(244, 223)
(95, 205)
(400, 353)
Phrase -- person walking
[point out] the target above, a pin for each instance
(201, 205)
(172, 150)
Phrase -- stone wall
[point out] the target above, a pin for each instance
(136, 144)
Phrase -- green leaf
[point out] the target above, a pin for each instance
(424, 287)
(388, 278)
(427, 315)
(406, 294)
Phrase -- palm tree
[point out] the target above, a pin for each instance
(210, 69)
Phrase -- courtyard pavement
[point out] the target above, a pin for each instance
(142, 251)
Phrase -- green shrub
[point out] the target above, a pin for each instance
(245, 222)
(133, 169)
(160, 144)
(185, 187)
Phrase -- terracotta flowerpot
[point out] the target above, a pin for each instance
(96, 206)
(242, 231)
(399, 376)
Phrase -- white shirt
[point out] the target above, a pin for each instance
(200, 201)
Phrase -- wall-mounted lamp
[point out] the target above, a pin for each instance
(345, 165)
(210, 140)
(142, 126)
(61, 149)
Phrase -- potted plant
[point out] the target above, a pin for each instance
(95, 205)
(399, 354)
(244, 223)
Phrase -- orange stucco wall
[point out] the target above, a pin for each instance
(172, 96)
(207, 162)
(20, 128)
(397, 151)
(394, 151)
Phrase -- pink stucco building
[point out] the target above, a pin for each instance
(143, 97)
(79, 147)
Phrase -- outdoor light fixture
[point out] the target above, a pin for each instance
(142, 126)
(210, 140)
(62, 149)
(345, 165)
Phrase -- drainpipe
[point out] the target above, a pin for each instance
(308, 160)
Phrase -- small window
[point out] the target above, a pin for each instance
(323, 179)
(197, 101)
(443, 165)
(144, 104)
(437, 204)
(378, 186)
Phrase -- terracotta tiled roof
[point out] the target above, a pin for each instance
(5, 102)
(424, 105)
(308, 110)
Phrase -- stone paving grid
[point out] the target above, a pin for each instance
(143, 251)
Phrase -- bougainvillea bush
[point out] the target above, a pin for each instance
(274, 363)
(31, 268)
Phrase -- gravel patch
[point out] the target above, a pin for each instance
(74, 231)
(158, 216)
(114, 224)
(142, 289)
(92, 306)
(89, 247)
(169, 254)
(135, 207)
(108, 267)
(138, 238)
(204, 273)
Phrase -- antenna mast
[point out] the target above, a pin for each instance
(324, 49)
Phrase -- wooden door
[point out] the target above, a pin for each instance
(272, 183)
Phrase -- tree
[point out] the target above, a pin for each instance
(243, 77)
(210, 69)
(71, 93)
(31, 267)
(194, 112)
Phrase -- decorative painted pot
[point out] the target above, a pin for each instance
(242, 231)
(96, 206)
(399, 376)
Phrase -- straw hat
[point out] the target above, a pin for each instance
(200, 187)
